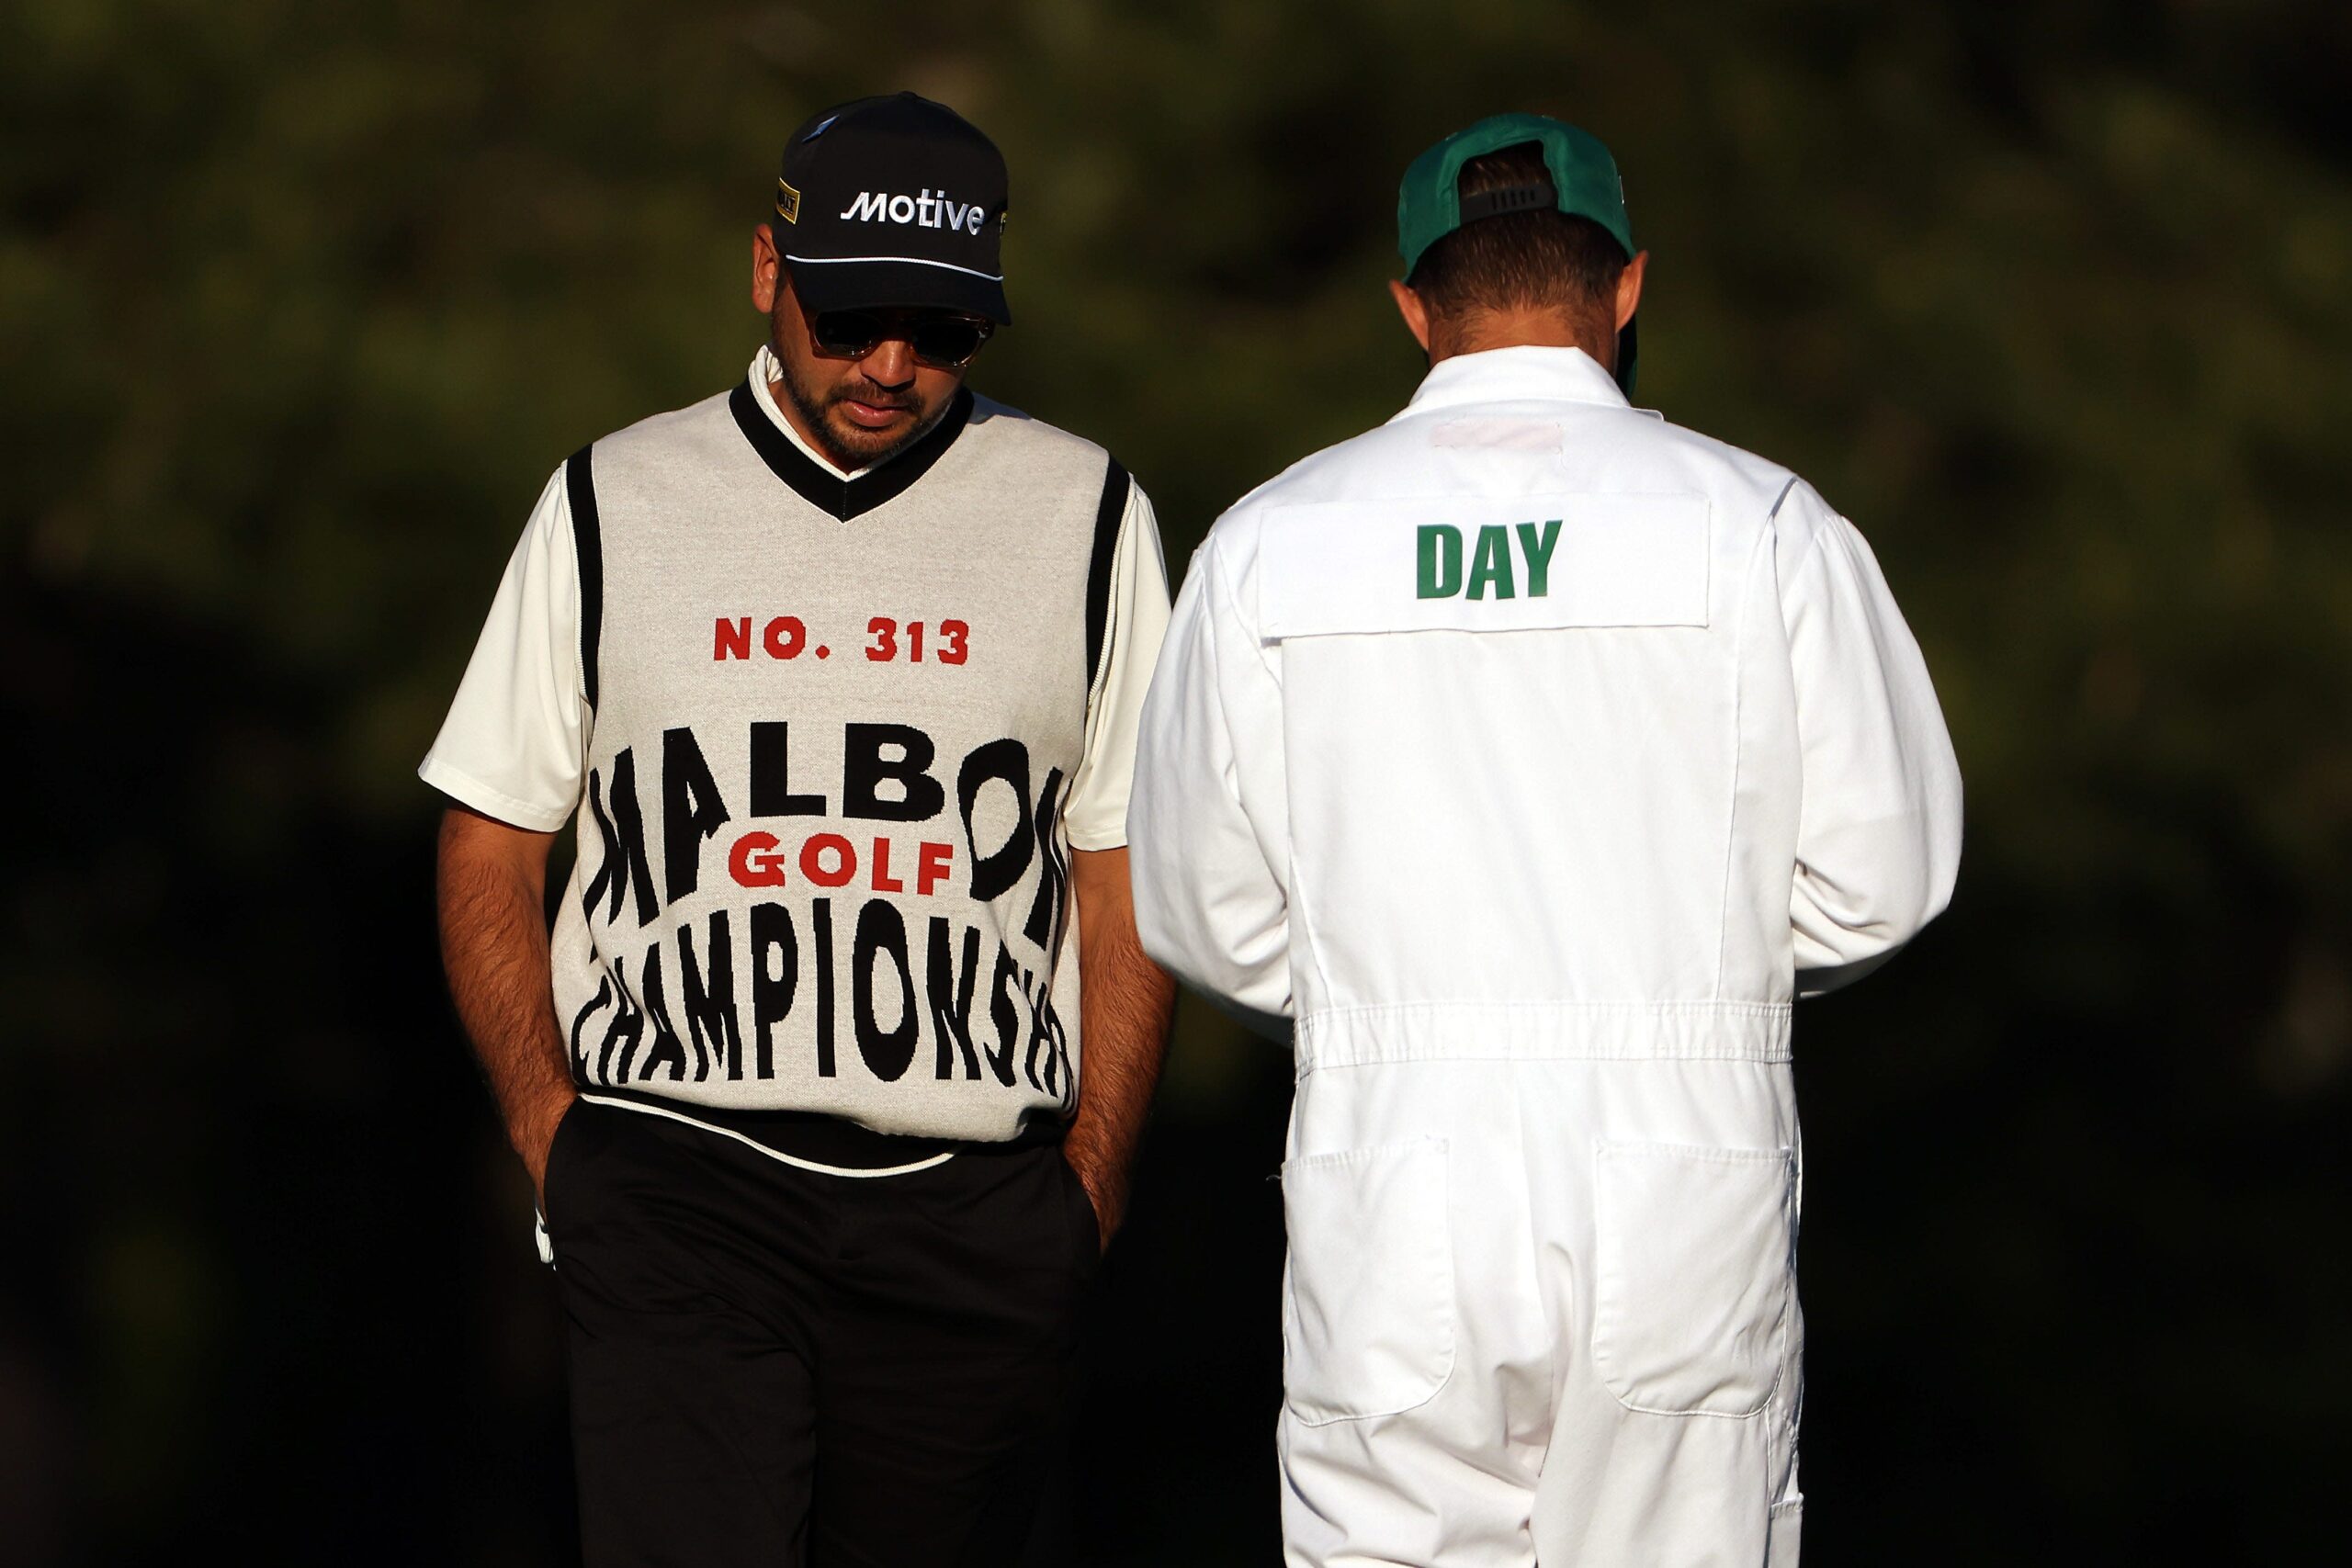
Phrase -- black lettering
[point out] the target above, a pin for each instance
(1040, 1040)
(710, 1008)
(1050, 1040)
(1068, 1091)
(950, 990)
(1008, 760)
(580, 1022)
(1061, 1052)
(625, 1029)
(624, 839)
(771, 989)
(691, 811)
(608, 878)
(820, 916)
(772, 774)
(1045, 926)
(669, 1051)
(881, 930)
(1004, 1016)
(863, 770)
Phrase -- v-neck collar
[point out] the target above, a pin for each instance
(831, 492)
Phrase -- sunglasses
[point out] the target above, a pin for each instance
(939, 339)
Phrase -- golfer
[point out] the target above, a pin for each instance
(837, 674)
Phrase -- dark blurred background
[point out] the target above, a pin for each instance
(303, 303)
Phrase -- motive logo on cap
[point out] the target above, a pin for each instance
(788, 202)
(932, 210)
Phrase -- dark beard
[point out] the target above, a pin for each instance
(815, 409)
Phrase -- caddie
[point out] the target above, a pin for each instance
(1533, 755)
(832, 1077)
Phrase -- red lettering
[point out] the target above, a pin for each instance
(754, 862)
(812, 863)
(785, 637)
(734, 639)
(932, 863)
(829, 860)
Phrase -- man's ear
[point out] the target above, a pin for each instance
(1416, 314)
(767, 270)
(1629, 287)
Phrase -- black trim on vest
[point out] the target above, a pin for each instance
(844, 499)
(1108, 514)
(823, 1139)
(587, 544)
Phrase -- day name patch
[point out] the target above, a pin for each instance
(1501, 563)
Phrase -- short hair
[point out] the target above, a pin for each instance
(1516, 261)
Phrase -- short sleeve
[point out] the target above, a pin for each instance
(513, 746)
(1096, 815)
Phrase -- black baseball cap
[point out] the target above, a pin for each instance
(893, 202)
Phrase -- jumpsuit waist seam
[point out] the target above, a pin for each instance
(1547, 1031)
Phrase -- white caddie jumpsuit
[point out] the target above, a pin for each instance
(1531, 754)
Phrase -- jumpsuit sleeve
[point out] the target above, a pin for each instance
(1878, 838)
(1096, 815)
(514, 743)
(1207, 830)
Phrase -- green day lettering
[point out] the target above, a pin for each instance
(1440, 560)
(834, 928)
(1439, 547)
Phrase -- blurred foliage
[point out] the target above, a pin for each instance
(303, 303)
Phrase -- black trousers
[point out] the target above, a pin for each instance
(777, 1366)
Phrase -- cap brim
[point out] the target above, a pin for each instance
(898, 284)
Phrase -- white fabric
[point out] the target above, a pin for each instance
(514, 744)
(1565, 1329)
(1530, 834)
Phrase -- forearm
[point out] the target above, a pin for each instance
(495, 949)
(1125, 1003)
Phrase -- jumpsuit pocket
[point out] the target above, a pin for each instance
(1695, 1268)
(1368, 1318)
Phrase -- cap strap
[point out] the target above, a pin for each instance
(1509, 199)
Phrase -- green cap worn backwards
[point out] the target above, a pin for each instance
(1585, 184)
